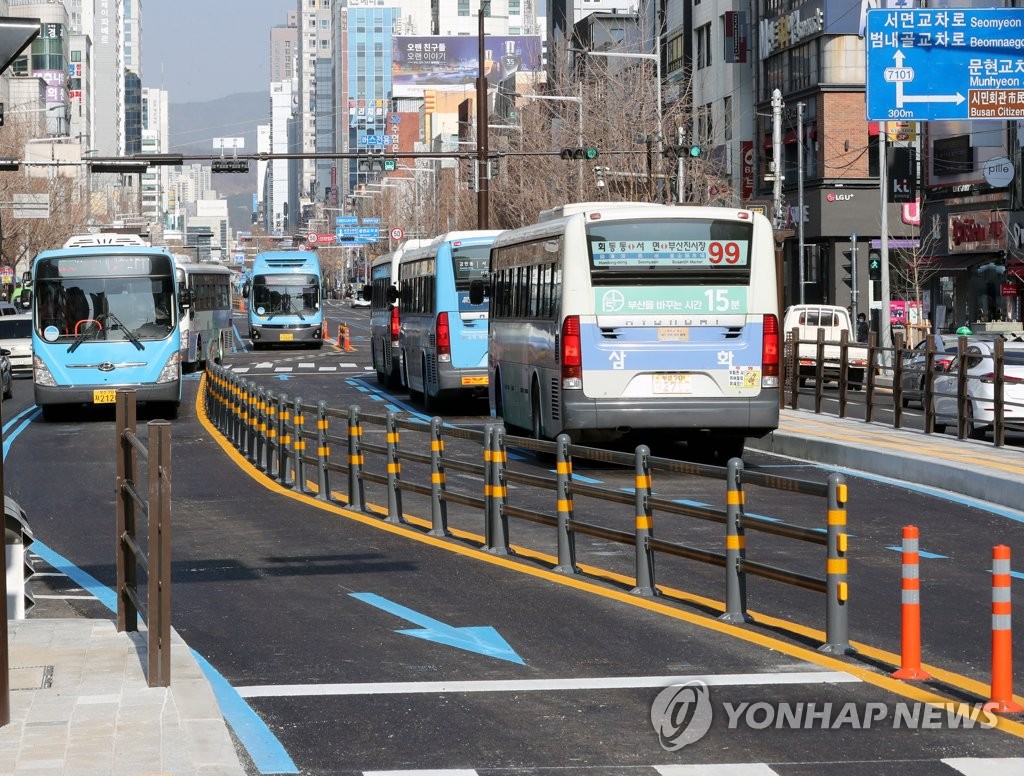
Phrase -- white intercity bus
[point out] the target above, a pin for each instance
(608, 318)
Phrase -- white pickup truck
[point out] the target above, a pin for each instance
(807, 319)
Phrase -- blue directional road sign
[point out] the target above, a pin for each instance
(346, 220)
(948, 64)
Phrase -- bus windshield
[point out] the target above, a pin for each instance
(673, 250)
(295, 294)
(75, 299)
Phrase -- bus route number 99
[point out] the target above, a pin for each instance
(729, 252)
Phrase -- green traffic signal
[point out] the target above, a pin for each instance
(694, 151)
(591, 153)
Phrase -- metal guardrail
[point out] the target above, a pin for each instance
(151, 499)
(890, 395)
(272, 432)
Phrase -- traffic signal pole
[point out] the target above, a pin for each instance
(482, 162)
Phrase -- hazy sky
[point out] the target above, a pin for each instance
(200, 50)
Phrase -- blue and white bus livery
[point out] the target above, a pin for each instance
(284, 300)
(105, 318)
(611, 318)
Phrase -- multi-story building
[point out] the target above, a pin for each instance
(315, 92)
(155, 140)
(42, 69)
(106, 26)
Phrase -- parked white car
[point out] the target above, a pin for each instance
(980, 366)
(16, 337)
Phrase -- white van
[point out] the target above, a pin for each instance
(807, 319)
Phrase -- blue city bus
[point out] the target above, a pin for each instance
(442, 335)
(284, 300)
(105, 317)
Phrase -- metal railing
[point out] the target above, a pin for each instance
(150, 500)
(884, 390)
(273, 433)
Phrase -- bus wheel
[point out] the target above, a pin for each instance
(725, 448)
(53, 412)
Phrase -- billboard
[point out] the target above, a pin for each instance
(453, 62)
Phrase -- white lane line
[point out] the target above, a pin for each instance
(985, 766)
(283, 369)
(240, 369)
(328, 369)
(543, 685)
(717, 769)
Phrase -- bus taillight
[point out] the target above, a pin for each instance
(571, 357)
(770, 352)
(444, 338)
(394, 325)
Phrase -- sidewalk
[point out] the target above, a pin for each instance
(80, 706)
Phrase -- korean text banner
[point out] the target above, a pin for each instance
(440, 61)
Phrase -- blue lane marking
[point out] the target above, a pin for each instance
(943, 495)
(483, 640)
(920, 552)
(83, 579)
(238, 336)
(1017, 574)
(261, 744)
(17, 424)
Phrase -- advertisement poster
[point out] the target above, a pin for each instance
(453, 62)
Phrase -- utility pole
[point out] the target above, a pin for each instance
(681, 169)
(483, 172)
(800, 195)
(777, 159)
(884, 329)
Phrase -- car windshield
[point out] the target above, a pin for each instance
(18, 328)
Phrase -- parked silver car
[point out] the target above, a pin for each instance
(915, 362)
(980, 386)
(6, 377)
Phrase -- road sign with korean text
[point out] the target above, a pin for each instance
(945, 64)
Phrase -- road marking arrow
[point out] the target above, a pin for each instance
(483, 640)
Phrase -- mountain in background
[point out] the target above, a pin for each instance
(194, 125)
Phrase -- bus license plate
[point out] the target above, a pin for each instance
(104, 396)
(674, 333)
(287, 337)
(673, 382)
(481, 380)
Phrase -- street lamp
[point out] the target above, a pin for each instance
(656, 56)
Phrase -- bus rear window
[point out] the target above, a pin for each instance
(470, 263)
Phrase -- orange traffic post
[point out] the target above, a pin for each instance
(341, 329)
(910, 609)
(1002, 640)
(347, 341)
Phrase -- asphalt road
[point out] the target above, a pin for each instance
(302, 606)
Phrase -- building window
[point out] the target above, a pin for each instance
(463, 8)
(703, 46)
(705, 128)
(727, 118)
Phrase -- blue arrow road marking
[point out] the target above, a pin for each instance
(282, 377)
(921, 553)
(483, 640)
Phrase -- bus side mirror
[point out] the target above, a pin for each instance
(477, 292)
(245, 290)
(393, 295)
(184, 299)
(368, 292)
(25, 300)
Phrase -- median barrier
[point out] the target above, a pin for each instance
(368, 451)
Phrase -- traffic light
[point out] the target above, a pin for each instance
(230, 165)
(850, 267)
(578, 153)
(1, 114)
(371, 165)
(874, 265)
(682, 151)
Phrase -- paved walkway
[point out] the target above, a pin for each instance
(80, 705)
